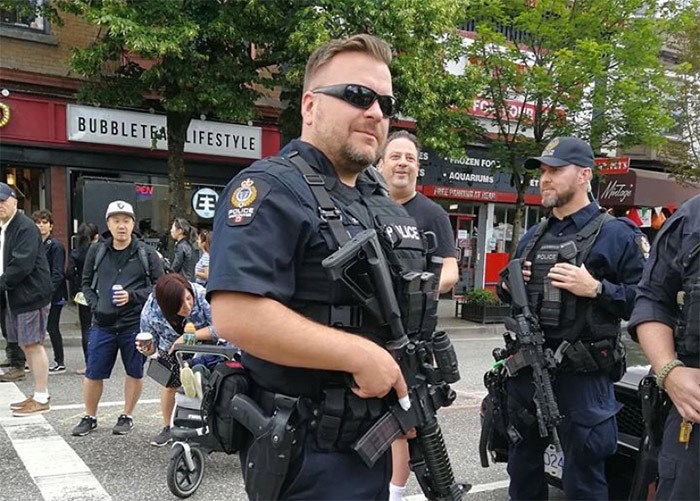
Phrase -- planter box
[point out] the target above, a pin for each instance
(485, 313)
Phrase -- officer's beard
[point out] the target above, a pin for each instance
(356, 159)
(558, 200)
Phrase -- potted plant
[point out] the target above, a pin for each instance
(483, 306)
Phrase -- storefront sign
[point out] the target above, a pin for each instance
(475, 176)
(617, 190)
(144, 130)
(614, 165)
(204, 202)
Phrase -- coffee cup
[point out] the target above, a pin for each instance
(145, 341)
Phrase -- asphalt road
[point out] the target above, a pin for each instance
(41, 460)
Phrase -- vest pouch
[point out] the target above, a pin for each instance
(609, 357)
(411, 301)
(550, 308)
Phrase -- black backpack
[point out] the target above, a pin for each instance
(227, 380)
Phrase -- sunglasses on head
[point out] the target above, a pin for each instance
(360, 97)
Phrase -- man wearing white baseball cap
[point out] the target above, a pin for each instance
(118, 276)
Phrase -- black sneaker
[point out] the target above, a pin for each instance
(123, 426)
(163, 438)
(86, 425)
(56, 368)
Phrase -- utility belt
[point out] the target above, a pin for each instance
(333, 423)
(606, 356)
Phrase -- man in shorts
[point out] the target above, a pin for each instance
(25, 287)
(118, 277)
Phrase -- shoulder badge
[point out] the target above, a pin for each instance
(245, 201)
(643, 244)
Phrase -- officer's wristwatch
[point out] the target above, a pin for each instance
(599, 289)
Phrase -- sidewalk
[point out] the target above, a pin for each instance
(70, 325)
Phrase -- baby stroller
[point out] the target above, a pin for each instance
(192, 439)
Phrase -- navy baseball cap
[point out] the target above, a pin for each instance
(6, 192)
(563, 151)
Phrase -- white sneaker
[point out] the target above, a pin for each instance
(187, 381)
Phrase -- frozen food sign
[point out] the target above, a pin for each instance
(144, 130)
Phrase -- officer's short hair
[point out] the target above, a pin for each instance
(42, 215)
(366, 44)
(401, 134)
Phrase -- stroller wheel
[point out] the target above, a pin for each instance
(182, 481)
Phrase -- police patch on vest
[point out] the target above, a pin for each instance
(245, 201)
(643, 244)
(402, 231)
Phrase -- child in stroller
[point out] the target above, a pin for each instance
(192, 434)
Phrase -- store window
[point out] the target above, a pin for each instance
(150, 197)
(24, 14)
(29, 184)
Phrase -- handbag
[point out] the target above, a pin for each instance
(162, 371)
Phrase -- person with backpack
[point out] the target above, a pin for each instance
(117, 279)
(87, 234)
(184, 257)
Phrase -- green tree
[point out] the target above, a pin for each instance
(423, 35)
(588, 68)
(183, 58)
(684, 150)
(217, 57)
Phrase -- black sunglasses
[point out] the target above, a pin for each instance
(360, 97)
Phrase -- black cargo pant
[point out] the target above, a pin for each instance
(678, 466)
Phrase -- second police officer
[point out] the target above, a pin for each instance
(300, 334)
(580, 292)
(666, 320)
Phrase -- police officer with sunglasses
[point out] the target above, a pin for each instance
(301, 334)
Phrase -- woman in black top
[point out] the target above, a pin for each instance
(87, 235)
(184, 257)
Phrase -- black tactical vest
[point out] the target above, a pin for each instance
(316, 297)
(564, 316)
(687, 335)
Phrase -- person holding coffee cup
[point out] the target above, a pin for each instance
(174, 302)
(144, 342)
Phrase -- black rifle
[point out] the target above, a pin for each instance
(529, 340)
(427, 361)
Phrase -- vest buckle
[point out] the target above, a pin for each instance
(327, 214)
(314, 179)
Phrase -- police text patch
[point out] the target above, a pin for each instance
(245, 201)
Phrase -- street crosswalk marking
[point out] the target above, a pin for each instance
(54, 466)
(116, 403)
